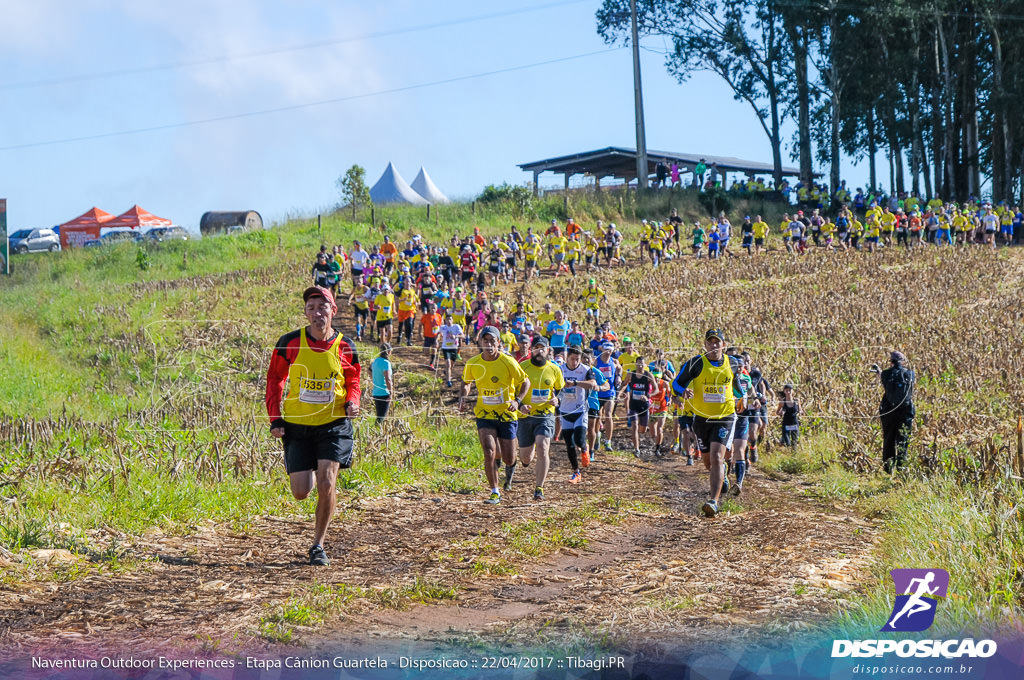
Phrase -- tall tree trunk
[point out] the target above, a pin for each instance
(916, 149)
(872, 151)
(1002, 176)
(798, 37)
(938, 131)
(950, 190)
(835, 85)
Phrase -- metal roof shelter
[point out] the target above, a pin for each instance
(620, 163)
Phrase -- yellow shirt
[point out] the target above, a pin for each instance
(531, 250)
(712, 390)
(545, 381)
(508, 341)
(574, 249)
(385, 305)
(592, 297)
(760, 229)
(497, 383)
(558, 244)
(544, 318)
(628, 361)
(316, 387)
(407, 300)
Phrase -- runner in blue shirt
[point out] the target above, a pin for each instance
(557, 330)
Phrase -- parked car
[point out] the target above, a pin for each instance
(34, 240)
(114, 237)
(167, 234)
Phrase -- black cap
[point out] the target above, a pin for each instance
(539, 341)
(714, 333)
(897, 357)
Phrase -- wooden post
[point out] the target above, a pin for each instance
(536, 182)
(373, 216)
(566, 197)
(474, 208)
(428, 212)
(319, 227)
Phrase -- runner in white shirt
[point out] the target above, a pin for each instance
(450, 336)
(572, 409)
(359, 259)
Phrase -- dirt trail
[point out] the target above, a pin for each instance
(649, 576)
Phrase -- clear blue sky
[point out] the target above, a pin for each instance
(87, 68)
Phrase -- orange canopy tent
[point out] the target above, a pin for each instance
(84, 227)
(137, 218)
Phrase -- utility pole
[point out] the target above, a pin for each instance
(641, 138)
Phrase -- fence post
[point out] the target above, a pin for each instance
(373, 216)
(319, 227)
(428, 212)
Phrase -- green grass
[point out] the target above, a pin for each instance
(975, 532)
(322, 602)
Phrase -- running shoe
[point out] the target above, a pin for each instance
(449, 383)
(689, 460)
(585, 462)
(509, 471)
(608, 445)
(493, 499)
(737, 489)
(317, 556)
(538, 494)
(753, 455)
(725, 485)
(432, 367)
(593, 454)
(576, 477)
(636, 453)
(710, 508)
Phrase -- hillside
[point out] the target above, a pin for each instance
(144, 493)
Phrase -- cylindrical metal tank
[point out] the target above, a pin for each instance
(221, 222)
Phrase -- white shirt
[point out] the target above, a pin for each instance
(450, 336)
(359, 258)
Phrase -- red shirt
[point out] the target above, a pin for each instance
(285, 353)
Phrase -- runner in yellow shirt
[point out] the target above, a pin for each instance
(501, 387)
(760, 234)
(592, 298)
(385, 305)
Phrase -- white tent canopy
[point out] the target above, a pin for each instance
(391, 188)
(426, 188)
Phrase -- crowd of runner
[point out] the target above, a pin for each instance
(540, 376)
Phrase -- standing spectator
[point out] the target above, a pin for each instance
(698, 173)
(896, 410)
(789, 410)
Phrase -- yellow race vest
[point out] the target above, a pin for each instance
(712, 390)
(316, 386)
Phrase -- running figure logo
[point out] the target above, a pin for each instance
(916, 600)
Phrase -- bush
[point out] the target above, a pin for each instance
(518, 198)
(716, 200)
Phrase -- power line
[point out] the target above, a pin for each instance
(296, 107)
(102, 75)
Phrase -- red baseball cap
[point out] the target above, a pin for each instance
(317, 291)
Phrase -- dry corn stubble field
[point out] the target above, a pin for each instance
(622, 557)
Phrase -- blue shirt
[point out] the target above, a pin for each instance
(609, 369)
(379, 368)
(558, 332)
(592, 395)
(575, 339)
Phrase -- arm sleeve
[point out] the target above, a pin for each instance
(351, 370)
(277, 375)
(690, 370)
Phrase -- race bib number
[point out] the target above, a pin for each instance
(607, 371)
(316, 391)
(492, 397)
(568, 393)
(714, 394)
(538, 396)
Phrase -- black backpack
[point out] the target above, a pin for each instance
(899, 387)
